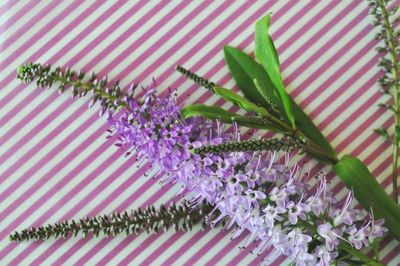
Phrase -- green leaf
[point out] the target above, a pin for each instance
(305, 125)
(368, 192)
(256, 122)
(207, 111)
(244, 70)
(382, 132)
(266, 54)
(243, 103)
(214, 113)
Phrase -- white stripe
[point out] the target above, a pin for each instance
(20, 22)
(203, 14)
(73, 34)
(6, 16)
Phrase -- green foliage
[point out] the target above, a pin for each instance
(245, 70)
(266, 54)
(207, 111)
(368, 192)
(382, 132)
(243, 103)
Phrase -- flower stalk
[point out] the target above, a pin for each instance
(180, 217)
(271, 144)
(110, 97)
(390, 82)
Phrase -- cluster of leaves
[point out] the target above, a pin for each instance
(265, 97)
(180, 217)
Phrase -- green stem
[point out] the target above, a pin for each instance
(86, 87)
(395, 88)
(295, 132)
(358, 254)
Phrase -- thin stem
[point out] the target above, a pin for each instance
(395, 91)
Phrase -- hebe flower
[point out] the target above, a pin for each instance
(252, 190)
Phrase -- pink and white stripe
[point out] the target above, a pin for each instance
(55, 163)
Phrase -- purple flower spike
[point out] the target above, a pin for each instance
(251, 190)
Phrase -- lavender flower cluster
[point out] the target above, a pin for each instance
(253, 191)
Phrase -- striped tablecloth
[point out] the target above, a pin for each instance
(56, 164)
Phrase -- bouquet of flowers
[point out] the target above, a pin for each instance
(232, 180)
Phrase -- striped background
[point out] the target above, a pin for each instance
(55, 163)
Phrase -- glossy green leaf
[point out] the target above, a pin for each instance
(243, 103)
(369, 193)
(207, 111)
(214, 113)
(266, 54)
(244, 70)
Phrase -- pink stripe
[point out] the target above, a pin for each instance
(357, 39)
(301, 32)
(29, 24)
(314, 96)
(94, 117)
(21, 12)
(299, 49)
(30, 43)
(394, 254)
(214, 70)
(324, 30)
(36, 93)
(96, 246)
(150, 239)
(207, 245)
(30, 116)
(157, 79)
(6, 7)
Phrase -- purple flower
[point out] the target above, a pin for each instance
(324, 256)
(297, 210)
(376, 229)
(253, 197)
(357, 237)
(344, 215)
(330, 235)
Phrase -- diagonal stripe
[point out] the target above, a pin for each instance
(325, 113)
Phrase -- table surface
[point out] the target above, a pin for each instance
(56, 163)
